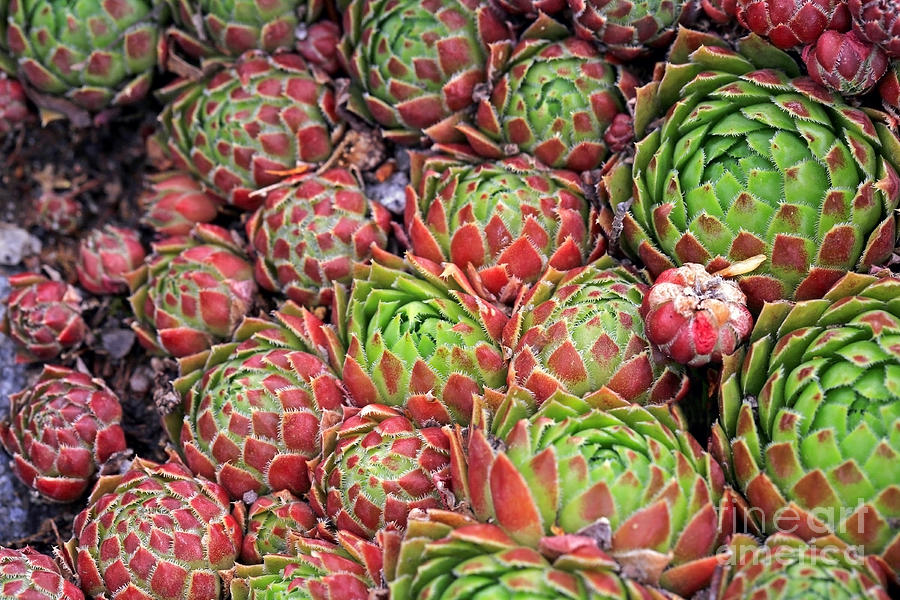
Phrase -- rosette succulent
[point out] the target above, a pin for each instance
(256, 411)
(415, 64)
(629, 28)
(271, 520)
(694, 317)
(381, 467)
(877, 21)
(845, 63)
(205, 28)
(319, 43)
(248, 125)
(629, 476)
(82, 58)
(27, 574)
(504, 223)
(174, 202)
(791, 23)
(154, 532)
(43, 317)
(61, 431)
(412, 341)
(59, 213)
(750, 160)
(308, 236)
(347, 569)
(105, 256)
(554, 100)
(13, 104)
(810, 416)
(581, 332)
(449, 555)
(191, 292)
(787, 567)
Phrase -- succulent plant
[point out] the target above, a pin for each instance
(791, 23)
(630, 477)
(415, 342)
(581, 332)
(61, 431)
(554, 100)
(205, 28)
(694, 317)
(890, 87)
(271, 521)
(751, 160)
(845, 63)
(27, 574)
(278, 115)
(256, 410)
(13, 104)
(174, 202)
(105, 256)
(720, 11)
(627, 29)
(504, 222)
(415, 64)
(309, 235)
(59, 213)
(531, 8)
(43, 317)
(809, 415)
(381, 468)
(191, 292)
(787, 567)
(877, 21)
(83, 57)
(347, 569)
(319, 44)
(154, 532)
(449, 555)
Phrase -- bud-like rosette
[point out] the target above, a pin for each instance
(809, 421)
(878, 21)
(43, 317)
(271, 521)
(27, 574)
(554, 101)
(416, 63)
(750, 159)
(105, 256)
(191, 292)
(256, 411)
(629, 476)
(627, 29)
(348, 569)
(413, 342)
(154, 532)
(791, 23)
(319, 45)
(60, 432)
(481, 561)
(249, 124)
(694, 317)
(581, 332)
(309, 235)
(503, 223)
(845, 63)
(786, 567)
(59, 213)
(174, 202)
(13, 104)
(380, 469)
(91, 54)
(203, 28)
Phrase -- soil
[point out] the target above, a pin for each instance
(102, 169)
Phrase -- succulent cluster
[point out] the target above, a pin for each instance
(467, 299)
